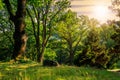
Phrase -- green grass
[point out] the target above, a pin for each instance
(34, 71)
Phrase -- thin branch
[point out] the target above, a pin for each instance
(34, 9)
(77, 45)
(50, 29)
(57, 12)
(78, 41)
(33, 24)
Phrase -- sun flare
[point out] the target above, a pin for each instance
(101, 12)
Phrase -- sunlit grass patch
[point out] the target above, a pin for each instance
(1, 74)
(37, 72)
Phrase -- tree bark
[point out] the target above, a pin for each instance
(19, 36)
(40, 56)
(71, 57)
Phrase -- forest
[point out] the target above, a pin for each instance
(48, 39)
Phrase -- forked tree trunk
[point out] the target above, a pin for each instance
(19, 35)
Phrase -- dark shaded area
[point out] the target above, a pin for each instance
(50, 63)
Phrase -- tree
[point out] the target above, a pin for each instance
(114, 52)
(58, 45)
(70, 30)
(18, 18)
(115, 7)
(43, 20)
(106, 32)
(93, 53)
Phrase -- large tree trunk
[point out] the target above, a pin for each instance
(19, 35)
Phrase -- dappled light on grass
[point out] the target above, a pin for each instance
(1, 75)
(37, 72)
(17, 65)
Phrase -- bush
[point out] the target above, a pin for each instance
(50, 63)
(5, 54)
(49, 54)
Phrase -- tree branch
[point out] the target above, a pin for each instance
(33, 24)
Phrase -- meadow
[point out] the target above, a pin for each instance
(34, 71)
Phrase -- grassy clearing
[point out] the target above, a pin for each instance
(34, 71)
